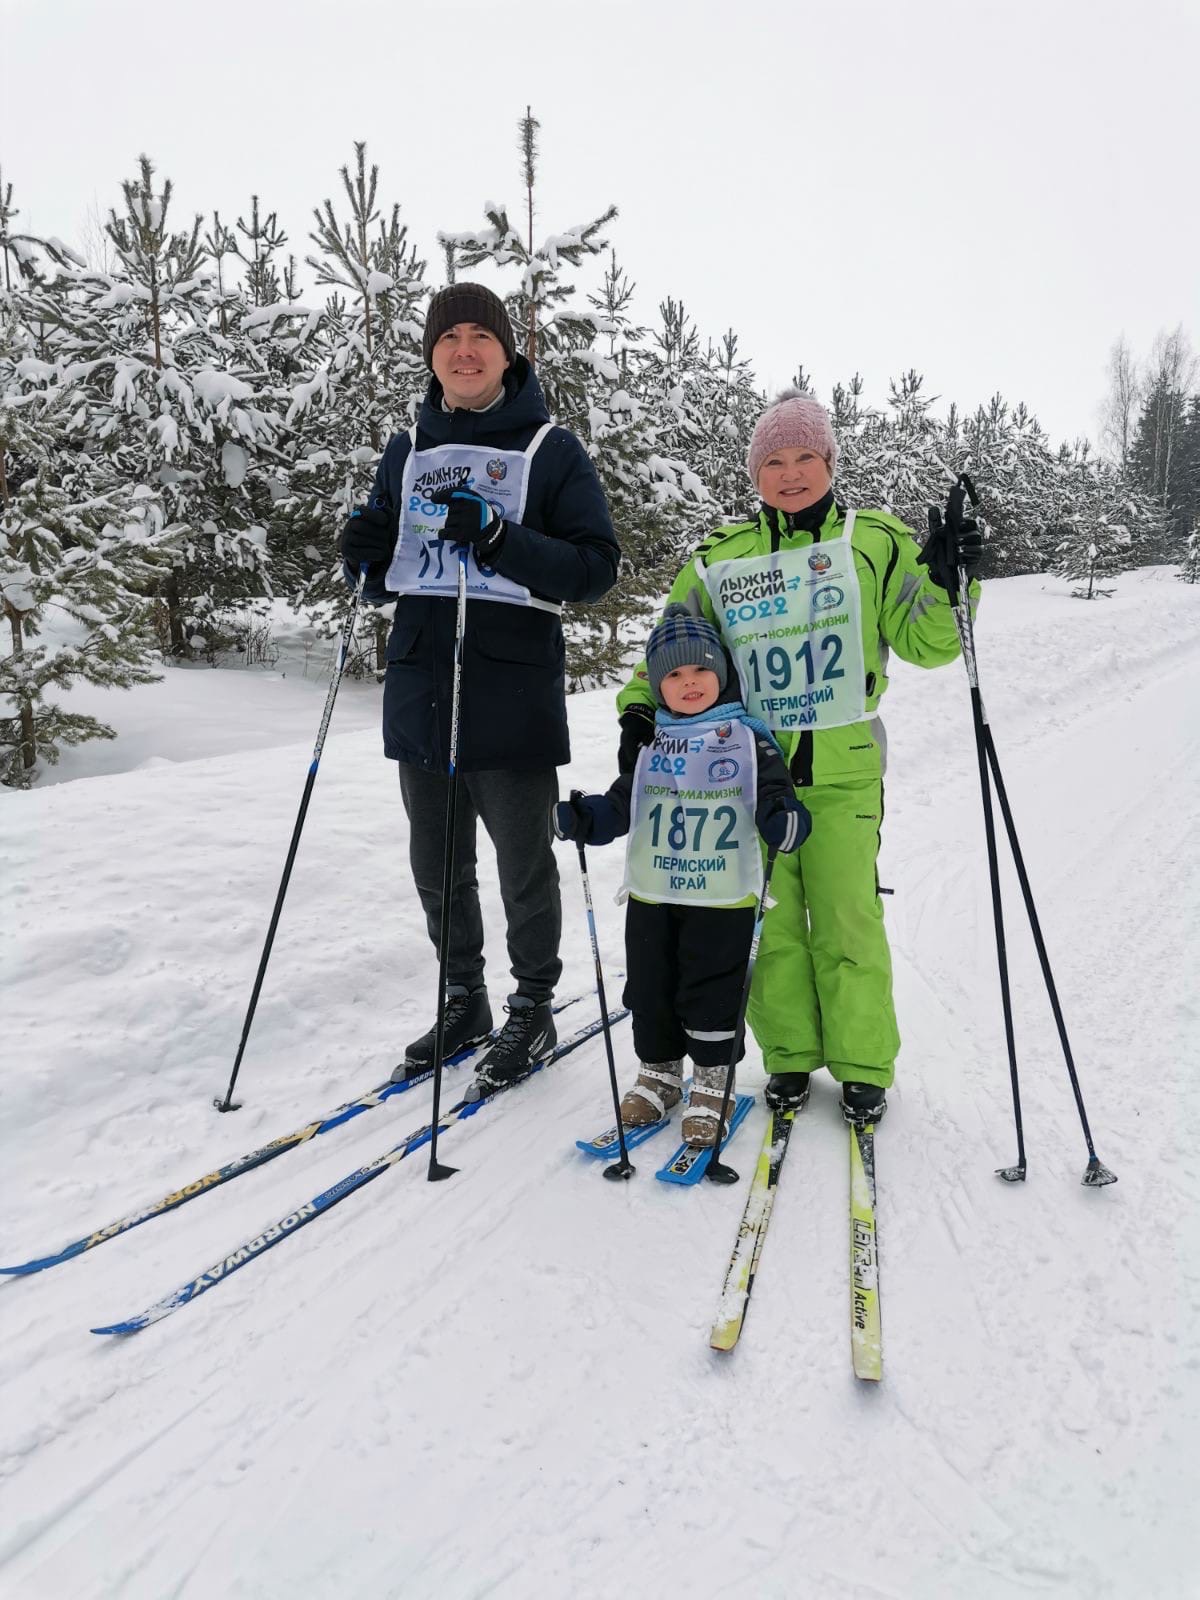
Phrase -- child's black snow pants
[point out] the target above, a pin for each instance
(686, 967)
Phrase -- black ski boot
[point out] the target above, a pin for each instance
(787, 1091)
(863, 1103)
(526, 1040)
(468, 1022)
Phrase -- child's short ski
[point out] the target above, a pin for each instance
(607, 1147)
(689, 1164)
(866, 1334)
(743, 1263)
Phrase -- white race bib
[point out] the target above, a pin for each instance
(692, 838)
(793, 623)
(425, 561)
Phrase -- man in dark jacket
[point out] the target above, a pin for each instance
(483, 467)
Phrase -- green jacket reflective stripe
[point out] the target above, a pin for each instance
(902, 610)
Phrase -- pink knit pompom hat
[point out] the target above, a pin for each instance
(794, 422)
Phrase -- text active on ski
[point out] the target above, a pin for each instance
(866, 1339)
(866, 1334)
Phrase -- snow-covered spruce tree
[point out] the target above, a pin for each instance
(1009, 459)
(648, 493)
(1189, 570)
(1158, 453)
(158, 398)
(1091, 544)
(359, 378)
(1188, 480)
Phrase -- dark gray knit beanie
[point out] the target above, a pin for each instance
(682, 639)
(467, 302)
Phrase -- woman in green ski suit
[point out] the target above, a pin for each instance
(810, 597)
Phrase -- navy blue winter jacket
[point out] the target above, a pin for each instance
(513, 714)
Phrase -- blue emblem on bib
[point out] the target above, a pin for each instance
(828, 598)
(722, 771)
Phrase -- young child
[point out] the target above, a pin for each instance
(693, 867)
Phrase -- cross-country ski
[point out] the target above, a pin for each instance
(622, 589)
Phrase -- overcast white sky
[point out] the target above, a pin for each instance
(990, 192)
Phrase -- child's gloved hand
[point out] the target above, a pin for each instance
(586, 819)
(786, 826)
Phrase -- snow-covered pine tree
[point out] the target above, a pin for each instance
(1189, 570)
(264, 237)
(725, 402)
(157, 398)
(585, 390)
(636, 424)
(864, 447)
(74, 565)
(908, 452)
(359, 380)
(218, 243)
(67, 562)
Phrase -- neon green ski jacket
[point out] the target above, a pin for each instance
(902, 610)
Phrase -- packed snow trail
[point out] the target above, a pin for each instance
(502, 1385)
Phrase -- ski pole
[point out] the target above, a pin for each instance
(228, 1103)
(622, 1168)
(717, 1171)
(960, 600)
(438, 1171)
(1096, 1175)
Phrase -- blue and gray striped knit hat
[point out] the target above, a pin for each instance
(684, 640)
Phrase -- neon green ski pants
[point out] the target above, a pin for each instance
(822, 993)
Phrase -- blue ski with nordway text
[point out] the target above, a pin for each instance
(255, 1159)
(320, 1204)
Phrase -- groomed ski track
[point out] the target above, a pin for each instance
(501, 1385)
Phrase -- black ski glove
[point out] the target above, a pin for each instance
(953, 541)
(587, 819)
(637, 731)
(369, 534)
(786, 825)
(470, 519)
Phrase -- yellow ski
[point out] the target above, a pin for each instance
(866, 1334)
(743, 1263)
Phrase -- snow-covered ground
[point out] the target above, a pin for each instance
(501, 1385)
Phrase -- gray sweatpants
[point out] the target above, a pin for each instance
(515, 810)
